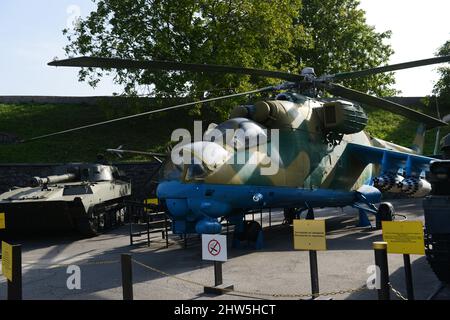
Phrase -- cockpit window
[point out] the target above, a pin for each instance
(291, 96)
(170, 171)
(195, 172)
(239, 133)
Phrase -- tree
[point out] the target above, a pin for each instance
(248, 33)
(330, 35)
(442, 86)
(343, 41)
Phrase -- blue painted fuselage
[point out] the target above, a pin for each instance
(196, 207)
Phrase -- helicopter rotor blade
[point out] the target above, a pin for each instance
(363, 98)
(115, 63)
(188, 104)
(120, 152)
(389, 68)
(123, 151)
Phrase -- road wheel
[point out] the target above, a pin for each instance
(252, 229)
(90, 225)
(120, 216)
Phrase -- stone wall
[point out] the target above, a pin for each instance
(70, 100)
(93, 100)
(140, 174)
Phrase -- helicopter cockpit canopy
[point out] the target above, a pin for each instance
(238, 133)
(291, 96)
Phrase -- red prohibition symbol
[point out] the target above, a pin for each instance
(214, 247)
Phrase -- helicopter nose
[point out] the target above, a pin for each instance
(210, 154)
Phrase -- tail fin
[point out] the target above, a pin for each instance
(419, 139)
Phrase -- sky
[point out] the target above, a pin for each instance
(31, 36)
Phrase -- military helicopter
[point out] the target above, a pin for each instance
(323, 156)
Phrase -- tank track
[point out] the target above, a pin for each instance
(437, 249)
(101, 218)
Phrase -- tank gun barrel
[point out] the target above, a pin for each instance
(38, 181)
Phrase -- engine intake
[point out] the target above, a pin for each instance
(343, 117)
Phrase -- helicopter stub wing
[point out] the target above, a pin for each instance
(390, 160)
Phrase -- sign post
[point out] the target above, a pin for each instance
(127, 276)
(405, 237)
(214, 248)
(12, 269)
(311, 235)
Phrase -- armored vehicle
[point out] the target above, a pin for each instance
(84, 197)
(437, 220)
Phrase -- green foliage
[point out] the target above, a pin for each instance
(249, 33)
(330, 35)
(442, 87)
(342, 41)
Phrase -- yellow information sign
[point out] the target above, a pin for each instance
(2, 220)
(405, 237)
(309, 235)
(152, 201)
(7, 258)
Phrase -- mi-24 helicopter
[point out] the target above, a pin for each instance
(300, 150)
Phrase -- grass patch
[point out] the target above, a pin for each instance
(149, 133)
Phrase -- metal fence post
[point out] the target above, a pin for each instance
(381, 260)
(127, 276)
(218, 280)
(408, 276)
(270, 217)
(314, 273)
(130, 212)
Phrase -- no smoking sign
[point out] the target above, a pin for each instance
(214, 247)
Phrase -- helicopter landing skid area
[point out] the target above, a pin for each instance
(177, 272)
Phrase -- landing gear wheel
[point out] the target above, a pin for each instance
(437, 249)
(289, 215)
(386, 212)
(251, 231)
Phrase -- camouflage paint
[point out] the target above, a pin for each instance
(306, 160)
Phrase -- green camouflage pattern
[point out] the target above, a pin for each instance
(307, 160)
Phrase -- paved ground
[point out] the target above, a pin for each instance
(275, 269)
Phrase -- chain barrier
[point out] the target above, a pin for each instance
(396, 292)
(196, 283)
(252, 293)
